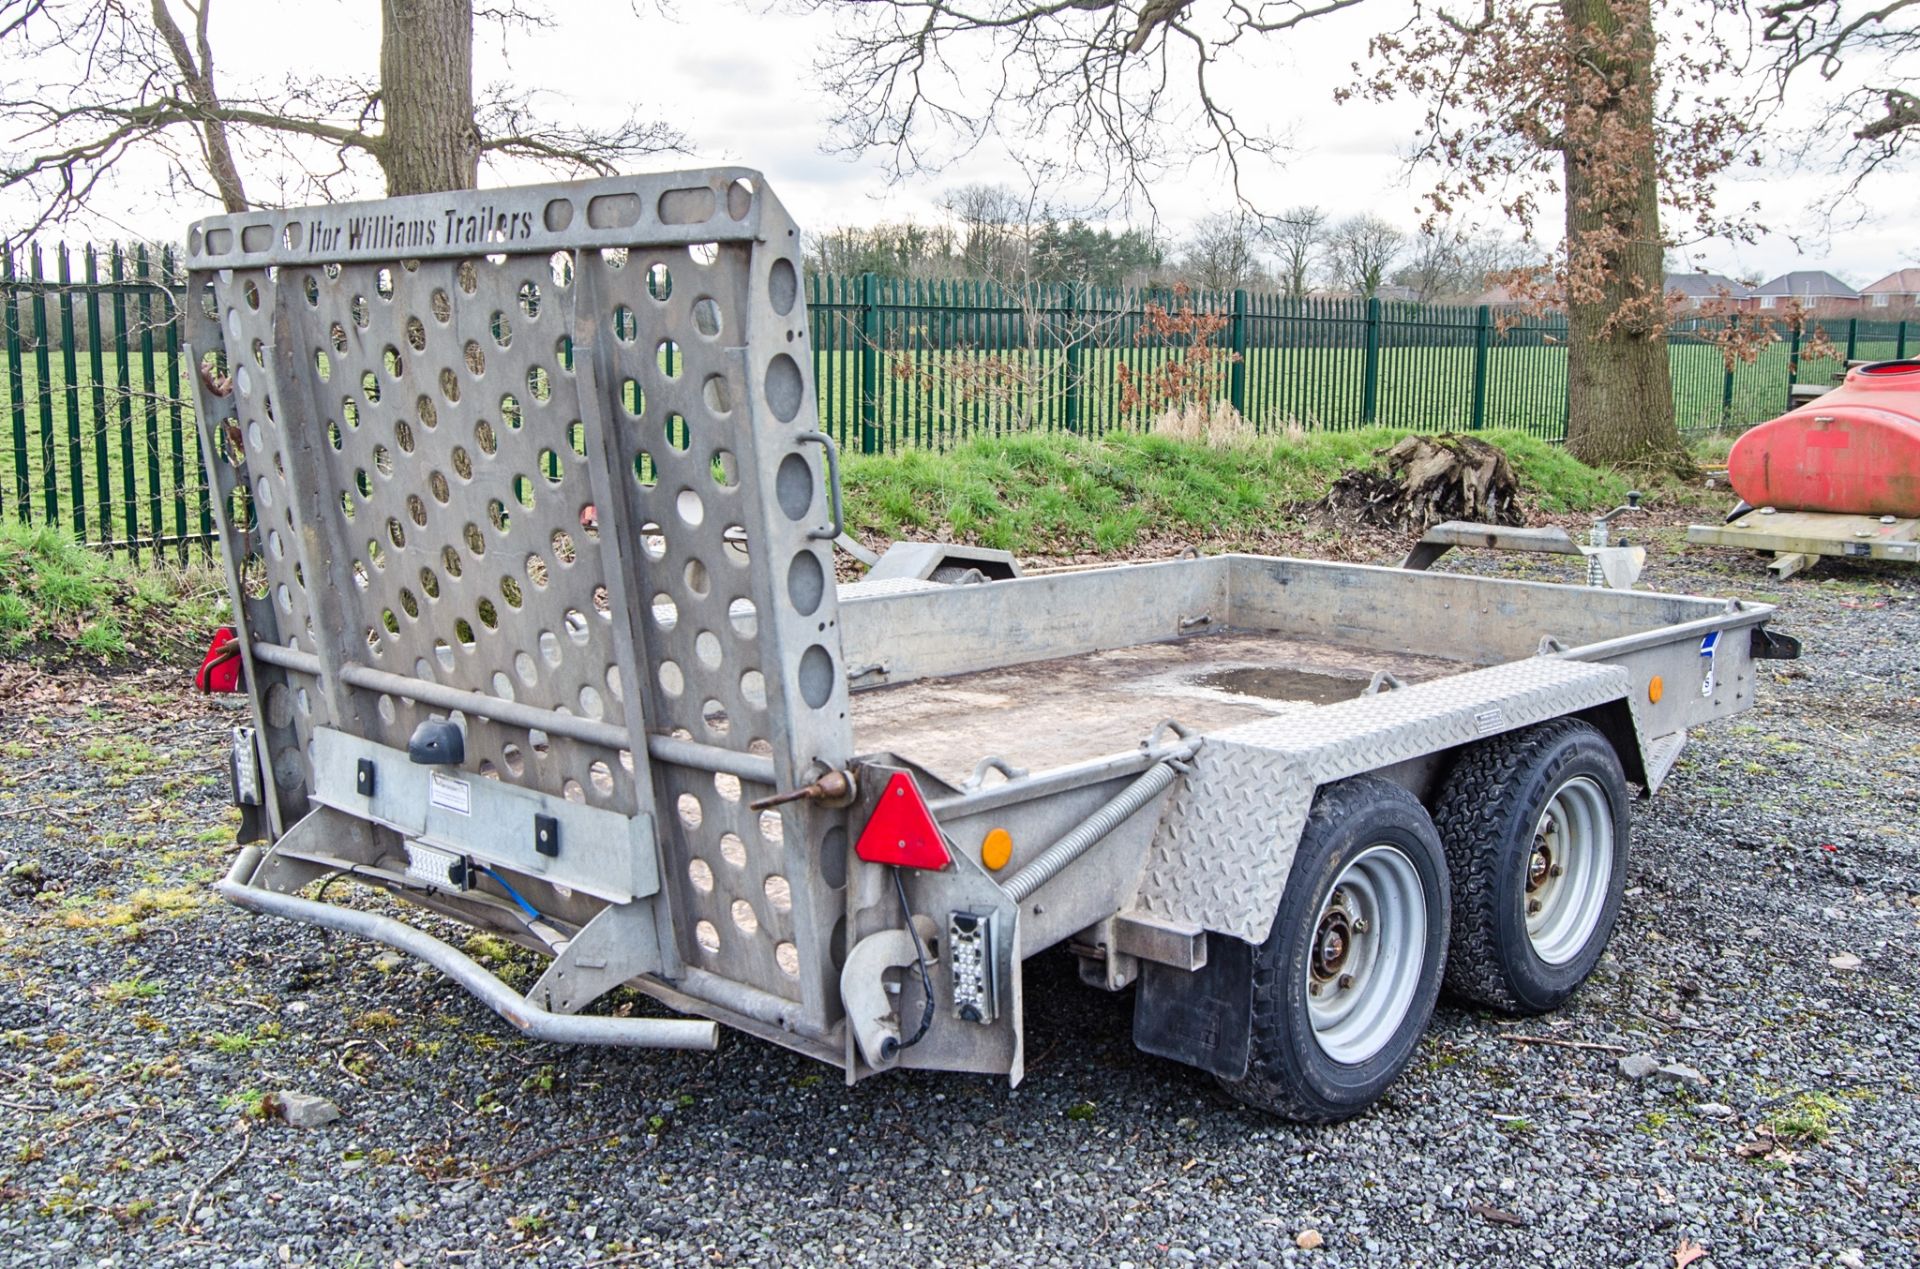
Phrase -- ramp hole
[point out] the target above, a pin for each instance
(691, 509)
(537, 571)
(549, 647)
(707, 937)
(538, 742)
(667, 354)
(714, 715)
(437, 486)
(703, 253)
(726, 469)
(322, 364)
(476, 358)
(779, 893)
(672, 682)
(787, 957)
(706, 316)
(613, 683)
(688, 807)
(467, 276)
(383, 284)
(697, 579)
(539, 383)
(666, 613)
(510, 411)
(577, 438)
(706, 648)
(570, 790)
(733, 850)
(625, 328)
(502, 330)
(463, 631)
(416, 334)
(403, 435)
(426, 412)
(443, 653)
(753, 689)
(529, 294)
(417, 511)
(441, 306)
(741, 616)
(576, 626)
(744, 918)
(772, 830)
(659, 282)
(430, 583)
(614, 257)
(357, 308)
(717, 394)
(600, 775)
(591, 703)
(486, 438)
(525, 668)
(560, 263)
(700, 873)
(727, 786)
(502, 686)
(510, 591)
(392, 362)
(450, 386)
(645, 471)
(562, 544)
(633, 399)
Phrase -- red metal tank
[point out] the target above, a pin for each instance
(1855, 450)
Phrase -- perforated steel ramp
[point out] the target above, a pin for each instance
(428, 420)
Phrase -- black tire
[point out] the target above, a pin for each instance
(1488, 812)
(1290, 1073)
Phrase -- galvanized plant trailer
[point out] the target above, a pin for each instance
(529, 528)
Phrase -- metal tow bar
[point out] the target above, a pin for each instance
(528, 1018)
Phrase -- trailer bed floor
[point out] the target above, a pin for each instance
(1049, 713)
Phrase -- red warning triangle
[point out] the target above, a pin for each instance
(902, 830)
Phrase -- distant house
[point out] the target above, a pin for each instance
(1703, 288)
(1899, 289)
(1814, 288)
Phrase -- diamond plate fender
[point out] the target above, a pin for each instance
(1222, 852)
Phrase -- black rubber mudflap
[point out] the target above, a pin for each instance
(1203, 1018)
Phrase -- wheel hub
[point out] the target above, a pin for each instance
(1332, 943)
(1568, 870)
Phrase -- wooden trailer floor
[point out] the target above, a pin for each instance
(1048, 713)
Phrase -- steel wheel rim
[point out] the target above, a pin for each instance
(1369, 947)
(1569, 870)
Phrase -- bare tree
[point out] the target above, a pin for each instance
(1362, 249)
(993, 224)
(1451, 261)
(1299, 238)
(112, 79)
(1223, 252)
(1862, 60)
(1104, 85)
(1573, 100)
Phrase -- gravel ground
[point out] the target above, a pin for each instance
(1771, 942)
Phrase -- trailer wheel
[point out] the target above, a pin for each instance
(1345, 982)
(1535, 824)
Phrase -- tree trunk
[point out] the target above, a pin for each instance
(429, 141)
(1619, 379)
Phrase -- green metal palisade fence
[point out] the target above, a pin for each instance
(96, 433)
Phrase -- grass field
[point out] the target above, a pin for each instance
(114, 463)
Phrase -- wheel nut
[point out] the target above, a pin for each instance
(1346, 981)
(1359, 925)
(1555, 871)
(1533, 907)
(1313, 989)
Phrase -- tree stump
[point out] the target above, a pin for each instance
(1429, 479)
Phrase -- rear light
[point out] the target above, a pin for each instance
(901, 830)
(220, 669)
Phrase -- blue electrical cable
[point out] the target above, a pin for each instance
(533, 913)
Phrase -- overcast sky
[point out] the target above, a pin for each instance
(737, 79)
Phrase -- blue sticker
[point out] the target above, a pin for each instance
(1708, 647)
